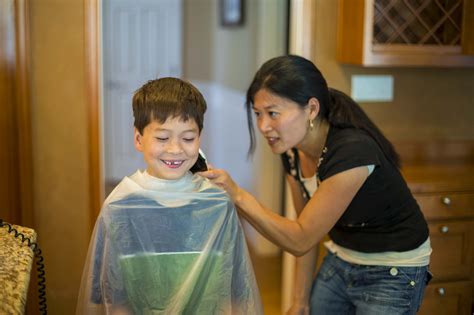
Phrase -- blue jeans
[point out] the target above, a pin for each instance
(345, 288)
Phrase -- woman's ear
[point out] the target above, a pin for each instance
(313, 107)
(137, 140)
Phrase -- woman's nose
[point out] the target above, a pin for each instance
(264, 124)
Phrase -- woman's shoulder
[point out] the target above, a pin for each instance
(350, 141)
(347, 135)
(347, 148)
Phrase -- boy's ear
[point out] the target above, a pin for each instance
(137, 140)
(313, 106)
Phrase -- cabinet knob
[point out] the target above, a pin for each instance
(444, 229)
(441, 291)
(446, 201)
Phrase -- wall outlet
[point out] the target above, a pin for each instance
(372, 88)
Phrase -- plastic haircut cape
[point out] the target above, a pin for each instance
(168, 247)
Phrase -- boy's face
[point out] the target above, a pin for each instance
(169, 149)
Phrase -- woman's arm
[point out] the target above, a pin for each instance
(304, 274)
(305, 265)
(320, 214)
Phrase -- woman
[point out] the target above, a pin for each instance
(345, 181)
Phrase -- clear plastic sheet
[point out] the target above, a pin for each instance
(168, 247)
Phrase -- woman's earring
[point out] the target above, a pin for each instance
(311, 125)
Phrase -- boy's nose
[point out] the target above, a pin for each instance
(174, 148)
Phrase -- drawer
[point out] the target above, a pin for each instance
(450, 298)
(452, 244)
(444, 206)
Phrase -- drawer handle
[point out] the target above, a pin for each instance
(441, 291)
(444, 229)
(446, 201)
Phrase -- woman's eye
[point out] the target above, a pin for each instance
(273, 114)
(256, 114)
(188, 139)
(161, 139)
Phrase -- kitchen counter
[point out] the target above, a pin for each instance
(16, 260)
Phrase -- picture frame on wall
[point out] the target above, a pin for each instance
(231, 12)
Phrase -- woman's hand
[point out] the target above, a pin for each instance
(222, 179)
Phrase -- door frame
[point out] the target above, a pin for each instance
(92, 84)
(22, 94)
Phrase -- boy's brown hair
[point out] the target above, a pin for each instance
(160, 99)
(167, 97)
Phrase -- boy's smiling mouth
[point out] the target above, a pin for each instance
(173, 163)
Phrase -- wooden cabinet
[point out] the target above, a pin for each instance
(452, 248)
(406, 33)
(446, 196)
(448, 298)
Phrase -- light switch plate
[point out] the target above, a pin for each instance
(372, 88)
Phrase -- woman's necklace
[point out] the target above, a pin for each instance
(310, 163)
(321, 159)
(323, 152)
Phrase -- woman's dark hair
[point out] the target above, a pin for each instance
(297, 79)
(168, 97)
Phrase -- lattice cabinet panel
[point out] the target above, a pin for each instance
(418, 22)
(406, 32)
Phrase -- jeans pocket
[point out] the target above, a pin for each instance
(388, 293)
(429, 276)
(394, 286)
(421, 291)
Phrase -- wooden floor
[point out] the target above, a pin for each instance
(268, 273)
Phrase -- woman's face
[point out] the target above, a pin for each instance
(282, 122)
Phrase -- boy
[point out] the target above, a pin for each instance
(168, 241)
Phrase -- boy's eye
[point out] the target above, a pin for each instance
(256, 114)
(161, 139)
(188, 139)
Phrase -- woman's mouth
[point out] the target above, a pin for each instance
(173, 163)
(272, 140)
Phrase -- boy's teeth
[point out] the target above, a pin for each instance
(173, 162)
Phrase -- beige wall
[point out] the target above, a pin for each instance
(222, 54)
(199, 20)
(59, 131)
(429, 103)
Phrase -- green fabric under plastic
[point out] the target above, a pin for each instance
(168, 247)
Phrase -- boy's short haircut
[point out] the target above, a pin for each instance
(167, 97)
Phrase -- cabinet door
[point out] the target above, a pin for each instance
(447, 299)
(405, 33)
(452, 244)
